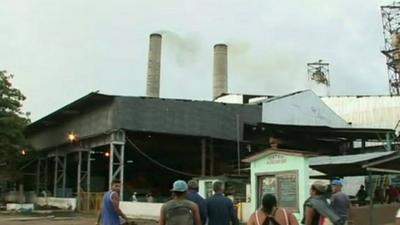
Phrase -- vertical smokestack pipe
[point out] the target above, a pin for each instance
(220, 84)
(153, 69)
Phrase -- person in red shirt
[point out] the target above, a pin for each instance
(392, 194)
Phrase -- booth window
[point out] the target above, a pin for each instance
(283, 185)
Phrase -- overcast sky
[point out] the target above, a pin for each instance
(61, 50)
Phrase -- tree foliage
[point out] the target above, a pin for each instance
(12, 125)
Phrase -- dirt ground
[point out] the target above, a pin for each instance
(76, 219)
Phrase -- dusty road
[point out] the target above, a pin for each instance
(77, 219)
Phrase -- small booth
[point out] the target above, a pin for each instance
(282, 172)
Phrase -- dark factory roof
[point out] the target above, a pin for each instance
(98, 113)
(74, 108)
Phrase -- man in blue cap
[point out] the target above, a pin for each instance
(340, 202)
(179, 210)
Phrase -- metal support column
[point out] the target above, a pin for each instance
(46, 174)
(203, 157)
(371, 197)
(83, 175)
(211, 157)
(117, 159)
(78, 177)
(60, 170)
(55, 174)
(64, 179)
(88, 177)
(238, 141)
(388, 145)
(78, 182)
(41, 174)
(111, 166)
(363, 145)
(38, 168)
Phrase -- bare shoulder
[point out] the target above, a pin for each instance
(252, 216)
(252, 219)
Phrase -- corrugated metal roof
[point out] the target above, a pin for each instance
(356, 165)
(367, 111)
(96, 113)
(347, 159)
(300, 108)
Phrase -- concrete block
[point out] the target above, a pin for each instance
(141, 210)
(61, 203)
(19, 207)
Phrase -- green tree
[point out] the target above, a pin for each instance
(12, 126)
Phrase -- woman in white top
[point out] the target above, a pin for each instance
(271, 214)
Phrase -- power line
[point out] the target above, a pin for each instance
(158, 163)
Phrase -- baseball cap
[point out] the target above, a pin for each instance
(179, 186)
(320, 186)
(337, 183)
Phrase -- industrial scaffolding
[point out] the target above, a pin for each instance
(319, 72)
(391, 34)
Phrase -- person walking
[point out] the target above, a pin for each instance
(392, 194)
(271, 214)
(179, 210)
(340, 202)
(134, 198)
(317, 209)
(220, 209)
(110, 213)
(193, 195)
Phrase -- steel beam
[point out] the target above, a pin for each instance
(60, 170)
(83, 171)
(83, 175)
(117, 159)
(38, 175)
(203, 157)
(41, 174)
(88, 176)
(212, 157)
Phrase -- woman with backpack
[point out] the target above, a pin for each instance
(270, 214)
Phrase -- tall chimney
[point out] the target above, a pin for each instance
(220, 84)
(153, 69)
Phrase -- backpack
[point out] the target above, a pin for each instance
(326, 211)
(270, 220)
(179, 214)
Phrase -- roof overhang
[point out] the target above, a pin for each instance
(357, 165)
(324, 132)
(271, 151)
(73, 109)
